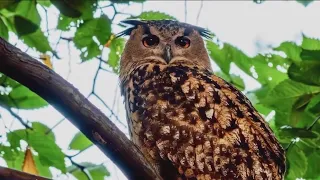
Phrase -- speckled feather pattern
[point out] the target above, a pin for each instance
(199, 126)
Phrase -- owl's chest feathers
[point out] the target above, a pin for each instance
(172, 105)
(160, 93)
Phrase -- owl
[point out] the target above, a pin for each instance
(188, 122)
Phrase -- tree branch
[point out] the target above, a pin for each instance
(76, 108)
(15, 115)
(10, 174)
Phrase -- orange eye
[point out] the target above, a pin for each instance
(150, 40)
(183, 41)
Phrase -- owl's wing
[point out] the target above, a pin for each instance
(233, 138)
(202, 124)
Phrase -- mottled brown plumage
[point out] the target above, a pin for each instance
(189, 123)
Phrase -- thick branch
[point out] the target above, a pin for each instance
(75, 107)
(11, 174)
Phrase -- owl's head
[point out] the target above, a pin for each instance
(164, 42)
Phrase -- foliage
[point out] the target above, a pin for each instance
(289, 92)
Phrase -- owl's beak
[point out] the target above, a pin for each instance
(167, 53)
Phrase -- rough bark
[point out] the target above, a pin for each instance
(76, 108)
(11, 174)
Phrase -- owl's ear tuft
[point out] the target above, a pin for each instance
(125, 32)
(128, 31)
(133, 22)
(204, 32)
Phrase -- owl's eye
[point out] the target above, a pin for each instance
(150, 40)
(183, 41)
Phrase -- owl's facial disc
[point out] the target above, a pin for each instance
(165, 46)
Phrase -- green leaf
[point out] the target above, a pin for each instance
(297, 162)
(98, 27)
(20, 96)
(291, 50)
(43, 170)
(6, 3)
(237, 81)
(256, 67)
(97, 172)
(306, 72)
(310, 43)
(49, 152)
(16, 161)
(24, 26)
(84, 39)
(154, 15)
(76, 8)
(309, 144)
(287, 90)
(305, 2)
(28, 10)
(7, 153)
(15, 137)
(26, 19)
(91, 51)
(290, 133)
(80, 142)
(42, 128)
(38, 41)
(310, 55)
(64, 22)
(314, 105)
(262, 109)
(300, 119)
(223, 75)
(68, 8)
(116, 49)
(283, 97)
(219, 56)
(262, 92)
(313, 170)
(8, 19)
(3, 30)
(266, 74)
(302, 101)
(258, 1)
(45, 3)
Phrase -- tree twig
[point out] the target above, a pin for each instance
(91, 145)
(313, 123)
(79, 166)
(111, 111)
(199, 12)
(98, 97)
(308, 129)
(76, 108)
(15, 115)
(54, 126)
(185, 11)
